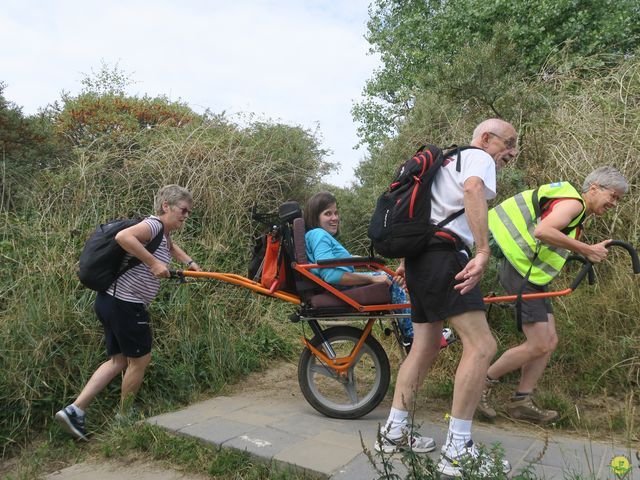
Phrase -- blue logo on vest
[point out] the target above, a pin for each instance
(556, 184)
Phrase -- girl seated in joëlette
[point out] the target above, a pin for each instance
(322, 222)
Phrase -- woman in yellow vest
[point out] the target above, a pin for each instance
(536, 231)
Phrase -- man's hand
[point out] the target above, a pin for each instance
(399, 276)
(598, 252)
(400, 281)
(471, 274)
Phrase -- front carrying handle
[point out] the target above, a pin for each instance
(177, 274)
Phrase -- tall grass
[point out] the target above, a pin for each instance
(206, 335)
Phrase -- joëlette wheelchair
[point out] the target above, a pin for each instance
(343, 371)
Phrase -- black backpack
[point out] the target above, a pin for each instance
(401, 222)
(101, 258)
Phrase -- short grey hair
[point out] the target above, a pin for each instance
(172, 194)
(497, 126)
(606, 177)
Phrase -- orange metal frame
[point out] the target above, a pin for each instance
(341, 365)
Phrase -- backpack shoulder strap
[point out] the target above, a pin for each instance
(151, 247)
(155, 242)
(454, 149)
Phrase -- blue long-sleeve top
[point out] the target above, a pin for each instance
(322, 246)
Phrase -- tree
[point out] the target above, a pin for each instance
(104, 113)
(416, 38)
(27, 145)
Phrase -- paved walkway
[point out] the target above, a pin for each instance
(290, 432)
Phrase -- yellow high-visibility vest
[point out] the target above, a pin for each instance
(512, 224)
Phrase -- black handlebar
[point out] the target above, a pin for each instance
(632, 252)
(584, 262)
(177, 274)
(588, 266)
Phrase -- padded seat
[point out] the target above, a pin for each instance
(374, 294)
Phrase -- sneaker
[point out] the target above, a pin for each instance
(406, 343)
(470, 461)
(524, 409)
(448, 337)
(417, 444)
(484, 407)
(72, 423)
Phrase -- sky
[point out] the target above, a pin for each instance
(300, 62)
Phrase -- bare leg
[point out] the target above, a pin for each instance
(414, 369)
(533, 370)
(532, 355)
(478, 348)
(104, 374)
(133, 377)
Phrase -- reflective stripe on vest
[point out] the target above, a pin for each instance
(513, 222)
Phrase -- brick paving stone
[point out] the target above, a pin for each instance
(264, 442)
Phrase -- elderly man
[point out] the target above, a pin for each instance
(443, 284)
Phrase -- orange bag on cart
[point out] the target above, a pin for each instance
(273, 269)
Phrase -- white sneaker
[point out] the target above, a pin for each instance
(453, 464)
(415, 442)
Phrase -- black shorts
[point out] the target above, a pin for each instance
(532, 310)
(126, 326)
(430, 281)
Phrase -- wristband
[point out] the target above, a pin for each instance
(190, 262)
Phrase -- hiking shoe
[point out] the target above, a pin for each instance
(524, 409)
(484, 407)
(470, 461)
(415, 443)
(72, 423)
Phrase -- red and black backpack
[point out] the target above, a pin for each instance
(401, 222)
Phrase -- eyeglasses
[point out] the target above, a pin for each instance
(184, 210)
(510, 143)
(613, 195)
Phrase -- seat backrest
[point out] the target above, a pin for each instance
(299, 244)
(304, 286)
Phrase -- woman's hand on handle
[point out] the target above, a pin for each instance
(597, 252)
(159, 269)
(194, 267)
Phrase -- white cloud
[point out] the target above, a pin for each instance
(301, 62)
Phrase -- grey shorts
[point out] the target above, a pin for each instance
(532, 310)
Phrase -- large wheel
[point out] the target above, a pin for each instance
(357, 393)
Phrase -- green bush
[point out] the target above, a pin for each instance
(207, 335)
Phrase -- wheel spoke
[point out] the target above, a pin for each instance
(351, 387)
(323, 370)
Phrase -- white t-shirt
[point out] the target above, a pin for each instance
(448, 188)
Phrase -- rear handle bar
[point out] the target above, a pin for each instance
(587, 268)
